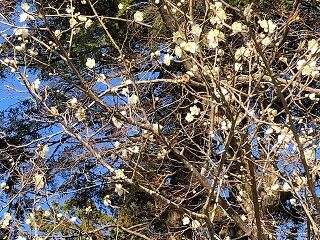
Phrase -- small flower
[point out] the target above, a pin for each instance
(119, 174)
(313, 46)
(43, 151)
(28, 221)
(4, 186)
(70, 10)
(286, 187)
(236, 27)
(221, 15)
(178, 51)
(138, 16)
(293, 201)
(237, 67)
(72, 22)
(25, 7)
(176, 36)
(88, 209)
(57, 33)
(269, 131)
(195, 224)
(46, 213)
(107, 201)
(90, 63)
(116, 122)
(283, 59)
(24, 16)
(275, 187)
(243, 217)
(189, 117)
(88, 24)
(120, 6)
(186, 221)
(268, 26)
(38, 181)
(36, 84)
(213, 37)
(82, 18)
(266, 41)
(133, 99)
(194, 110)
(80, 114)
(196, 30)
(21, 32)
(167, 59)
(156, 127)
(191, 47)
(312, 96)
(73, 102)
(119, 189)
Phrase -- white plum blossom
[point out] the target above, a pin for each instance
(286, 187)
(36, 84)
(4, 186)
(80, 114)
(186, 221)
(220, 16)
(177, 36)
(138, 16)
(72, 22)
(167, 59)
(25, 7)
(70, 10)
(196, 30)
(312, 96)
(38, 181)
(243, 217)
(283, 59)
(90, 63)
(275, 187)
(107, 201)
(133, 99)
(88, 23)
(82, 18)
(236, 27)
(116, 122)
(73, 102)
(237, 66)
(21, 32)
(242, 52)
(120, 6)
(119, 174)
(308, 68)
(194, 110)
(25, 16)
(195, 224)
(213, 37)
(267, 25)
(178, 51)
(313, 46)
(189, 117)
(266, 41)
(119, 189)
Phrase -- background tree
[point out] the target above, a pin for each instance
(162, 120)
